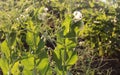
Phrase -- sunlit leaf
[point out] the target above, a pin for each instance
(91, 4)
(57, 57)
(66, 24)
(43, 66)
(30, 38)
(70, 43)
(72, 57)
(4, 66)
(5, 49)
(15, 69)
(41, 45)
(28, 64)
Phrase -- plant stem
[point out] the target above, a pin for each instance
(10, 58)
(35, 46)
(34, 70)
(64, 58)
(64, 64)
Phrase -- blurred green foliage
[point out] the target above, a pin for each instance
(26, 25)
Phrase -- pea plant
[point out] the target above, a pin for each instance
(23, 45)
(65, 54)
(41, 37)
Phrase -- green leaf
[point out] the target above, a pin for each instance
(70, 43)
(42, 62)
(43, 66)
(60, 46)
(4, 66)
(37, 39)
(41, 45)
(31, 35)
(101, 17)
(91, 4)
(14, 69)
(28, 64)
(66, 24)
(57, 57)
(27, 72)
(30, 38)
(31, 26)
(12, 38)
(5, 49)
(72, 57)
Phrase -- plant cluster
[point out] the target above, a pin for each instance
(41, 37)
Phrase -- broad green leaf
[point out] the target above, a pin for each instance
(5, 49)
(28, 64)
(70, 43)
(91, 4)
(77, 27)
(60, 46)
(12, 38)
(58, 71)
(57, 57)
(31, 35)
(31, 26)
(43, 66)
(30, 38)
(60, 39)
(27, 72)
(41, 55)
(41, 45)
(49, 72)
(37, 39)
(14, 69)
(66, 24)
(4, 66)
(72, 58)
(42, 62)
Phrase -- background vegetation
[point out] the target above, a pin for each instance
(40, 37)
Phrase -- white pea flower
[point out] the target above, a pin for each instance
(110, 41)
(32, 52)
(46, 9)
(103, 1)
(17, 19)
(81, 43)
(77, 16)
(42, 16)
(43, 13)
(22, 16)
(27, 10)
